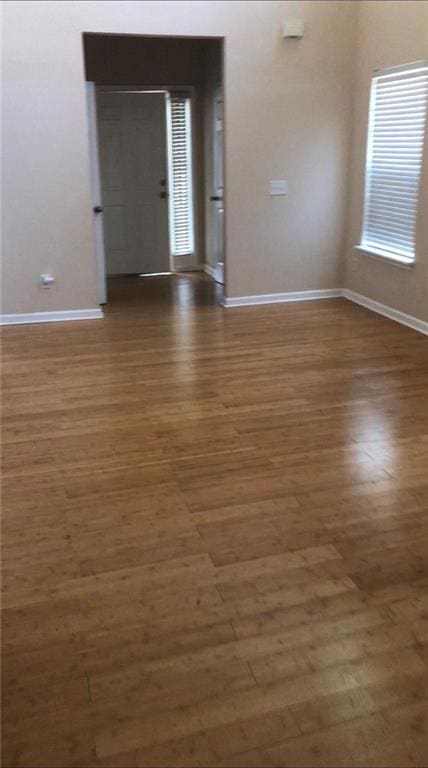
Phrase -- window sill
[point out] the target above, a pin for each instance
(397, 261)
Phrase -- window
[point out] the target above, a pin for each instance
(180, 174)
(397, 117)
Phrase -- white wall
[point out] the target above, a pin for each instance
(287, 109)
(389, 33)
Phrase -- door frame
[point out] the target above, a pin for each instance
(96, 197)
(94, 164)
(218, 94)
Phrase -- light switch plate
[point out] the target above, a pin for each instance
(279, 187)
(293, 28)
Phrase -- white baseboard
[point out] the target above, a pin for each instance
(237, 301)
(277, 298)
(209, 270)
(217, 272)
(52, 317)
(383, 309)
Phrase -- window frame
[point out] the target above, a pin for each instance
(188, 93)
(370, 248)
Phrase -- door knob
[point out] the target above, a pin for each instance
(163, 194)
(98, 209)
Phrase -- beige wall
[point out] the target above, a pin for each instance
(288, 115)
(389, 33)
(287, 109)
(290, 119)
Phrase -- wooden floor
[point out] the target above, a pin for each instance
(215, 535)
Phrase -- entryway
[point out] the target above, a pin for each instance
(155, 114)
(180, 295)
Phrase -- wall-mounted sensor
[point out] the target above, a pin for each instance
(293, 28)
(46, 281)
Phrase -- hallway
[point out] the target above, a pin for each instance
(162, 293)
(215, 535)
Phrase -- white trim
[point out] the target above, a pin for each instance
(383, 309)
(389, 258)
(412, 67)
(276, 298)
(238, 301)
(379, 234)
(52, 317)
(209, 270)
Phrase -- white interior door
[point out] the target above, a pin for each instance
(96, 193)
(133, 162)
(217, 198)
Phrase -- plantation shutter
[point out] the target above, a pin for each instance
(181, 175)
(398, 109)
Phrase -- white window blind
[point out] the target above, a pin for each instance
(398, 109)
(180, 172)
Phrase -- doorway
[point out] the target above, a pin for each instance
(156, 146)
(134, 178)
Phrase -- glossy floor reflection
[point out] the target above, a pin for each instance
(215, 535)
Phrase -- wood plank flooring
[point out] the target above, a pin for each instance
(215, 535)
